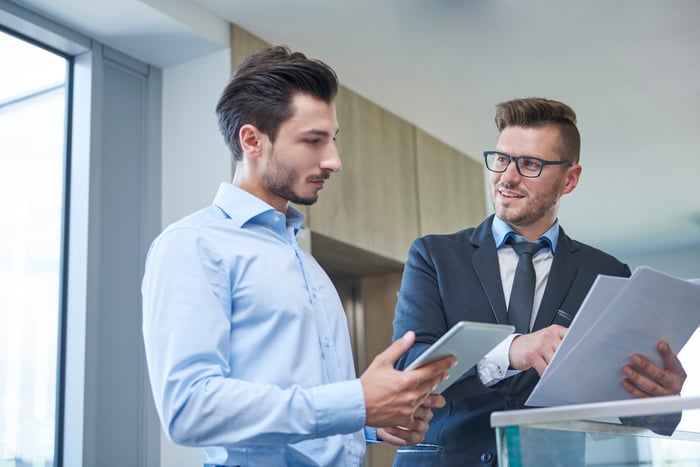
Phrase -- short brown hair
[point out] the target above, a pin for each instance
(262, 88)
(536, 111)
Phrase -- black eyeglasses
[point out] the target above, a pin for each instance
(527, 166)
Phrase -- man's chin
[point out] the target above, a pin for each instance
(307, 201)
(505, 213)
(510, 216)
(292, 197)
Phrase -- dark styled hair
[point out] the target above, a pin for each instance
(262, 88)
(535, 111)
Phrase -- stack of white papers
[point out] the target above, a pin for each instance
(618, 317)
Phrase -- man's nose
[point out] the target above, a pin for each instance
(331, 160)
(511, 172)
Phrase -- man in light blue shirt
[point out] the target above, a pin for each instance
(246, 340)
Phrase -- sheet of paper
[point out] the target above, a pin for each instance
(602, 292)
(650, 306)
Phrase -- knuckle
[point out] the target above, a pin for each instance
(406, 380)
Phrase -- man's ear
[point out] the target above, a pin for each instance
(572, 176)
(251, 140)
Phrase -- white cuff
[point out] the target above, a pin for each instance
(493, 367)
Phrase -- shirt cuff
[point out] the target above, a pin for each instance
(371, 435)
(493, 367)
(340, 407)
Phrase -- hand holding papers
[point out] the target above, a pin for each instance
(468, 341)
(618, 318)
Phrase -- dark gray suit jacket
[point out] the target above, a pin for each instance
(449, 278)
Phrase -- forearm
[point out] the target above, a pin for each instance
(227, 412)
(421, 309)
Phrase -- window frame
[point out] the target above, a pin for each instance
(34, 30)
(87, 370)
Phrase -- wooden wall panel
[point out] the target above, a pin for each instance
(378, 297)
(450, 185)
(378, 303)
(371, 204)
(243, 44)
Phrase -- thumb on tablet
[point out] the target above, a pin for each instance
(397, 348)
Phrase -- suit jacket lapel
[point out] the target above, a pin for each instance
(485, 263)
(561, 276)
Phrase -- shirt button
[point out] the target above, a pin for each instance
(486, 457)
(327, 342)
(277, 219)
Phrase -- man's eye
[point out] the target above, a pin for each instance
(533, 164)
(313, 142)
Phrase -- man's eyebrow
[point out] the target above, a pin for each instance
(317, 132)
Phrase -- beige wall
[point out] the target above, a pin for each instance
(451, 187)
(372, 203)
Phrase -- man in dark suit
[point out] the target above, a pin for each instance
(468, 275)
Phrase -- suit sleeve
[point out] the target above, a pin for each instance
(421, 308)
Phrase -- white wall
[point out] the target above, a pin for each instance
(194, 161)
(681, 262)
(685, 263)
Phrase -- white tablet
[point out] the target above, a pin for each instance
(468, 341)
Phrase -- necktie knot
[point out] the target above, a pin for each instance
(528, 248)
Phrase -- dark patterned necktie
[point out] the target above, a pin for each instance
(523, 292)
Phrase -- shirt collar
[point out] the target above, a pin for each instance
(502, 231)
(243, 207)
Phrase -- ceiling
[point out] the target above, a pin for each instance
(630, 69)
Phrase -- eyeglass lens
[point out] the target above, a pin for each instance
(527, 166)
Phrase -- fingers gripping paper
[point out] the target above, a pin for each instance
(617, 318)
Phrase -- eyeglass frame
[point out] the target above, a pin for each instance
(515, 159)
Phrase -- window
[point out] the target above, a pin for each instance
(72, 370)
(33, 100)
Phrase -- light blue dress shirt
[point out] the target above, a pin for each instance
(502, 231)
(246, 340)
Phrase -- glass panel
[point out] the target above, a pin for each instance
(605, 442)
(32, 129)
